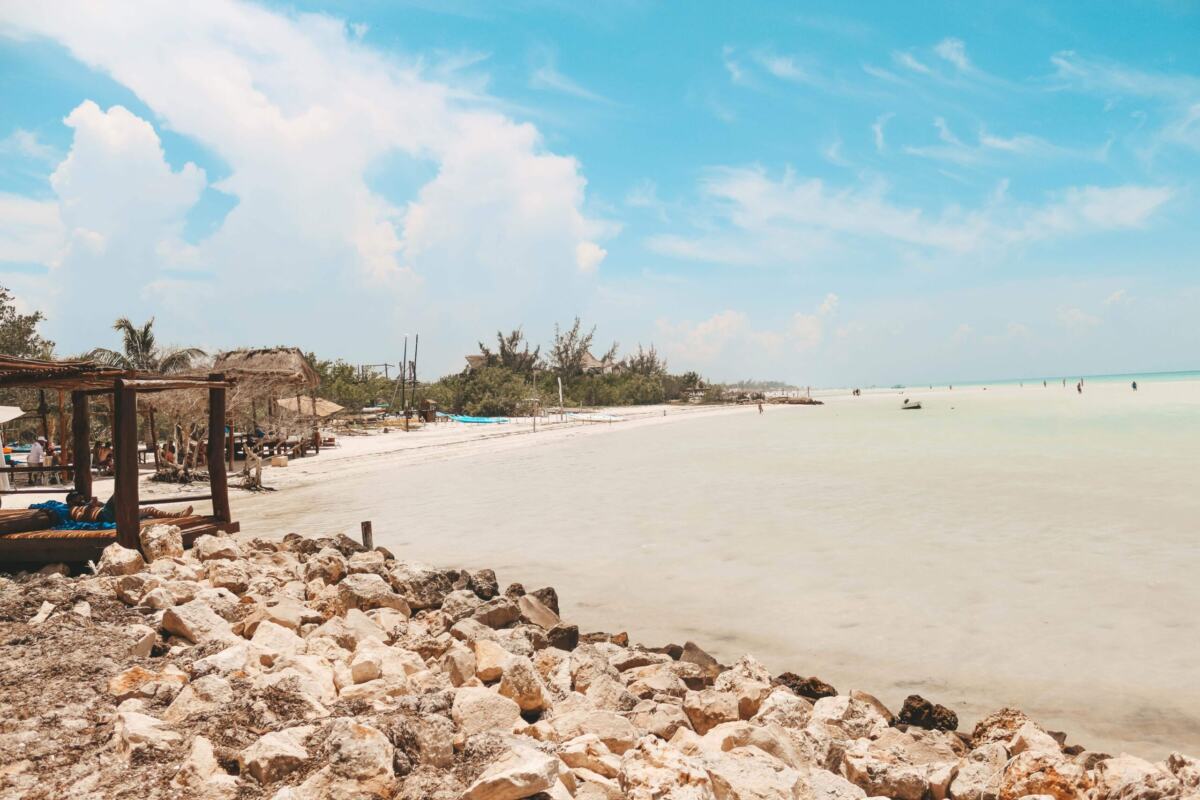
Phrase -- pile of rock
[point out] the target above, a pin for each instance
(309, 668)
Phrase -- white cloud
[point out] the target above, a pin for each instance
(954, 51)
(299, 111)
(807, 331)
(31, 231)
(962, 333)
(588, 256)
(910, 62)
(27, 145)
(755, 219)
(783, 67)
(705, 341)
(1077, 318)
(877, 128)
(1119, 297)
(828, 305)
(546, 76)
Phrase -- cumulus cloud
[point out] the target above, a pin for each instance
(299, 113)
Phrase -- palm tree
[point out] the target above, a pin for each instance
(143, 353)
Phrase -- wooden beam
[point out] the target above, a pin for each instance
(125, 447)
(152, 384)
(216, 449)
(81, 442)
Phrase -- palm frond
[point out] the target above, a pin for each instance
(109, 357)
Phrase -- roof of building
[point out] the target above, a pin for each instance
(281, 364)
(86, 375)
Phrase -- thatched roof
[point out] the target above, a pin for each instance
(325, 408)
(276, 364)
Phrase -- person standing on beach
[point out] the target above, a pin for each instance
(1134, 386)
(36, 451)
(1079, 387)
(760, 408)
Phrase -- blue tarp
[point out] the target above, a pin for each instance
(475, 420)
(62, 518)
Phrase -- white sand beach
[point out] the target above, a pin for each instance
(1014, 545)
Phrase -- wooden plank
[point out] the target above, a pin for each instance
(125, 447)
(81, 443)
(217, 477)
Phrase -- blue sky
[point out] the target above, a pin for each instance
(911, 192)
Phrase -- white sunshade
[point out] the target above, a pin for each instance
(9, 413)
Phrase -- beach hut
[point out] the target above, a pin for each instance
(30, 536)
(266, 375)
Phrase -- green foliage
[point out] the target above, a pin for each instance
(512, 352)
(484, 392)
(344, 384)
(18, 332)
(140, 351)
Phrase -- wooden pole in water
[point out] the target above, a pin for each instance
(368, 536)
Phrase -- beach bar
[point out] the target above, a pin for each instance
(29, 537)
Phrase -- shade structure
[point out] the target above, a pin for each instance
(9, 413)
(324, 408)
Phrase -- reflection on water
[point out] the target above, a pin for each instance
(1031, 549)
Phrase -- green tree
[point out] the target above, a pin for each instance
(512, 352)
(645, 362)
(140, 350)
(18, 332)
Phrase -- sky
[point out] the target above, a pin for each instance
(829, 194)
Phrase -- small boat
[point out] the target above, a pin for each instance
(909, 405)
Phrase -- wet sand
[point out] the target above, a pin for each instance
(1021, 546)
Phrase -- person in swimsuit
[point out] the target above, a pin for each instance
(89, 509)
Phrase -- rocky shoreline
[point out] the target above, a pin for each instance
(314, 668)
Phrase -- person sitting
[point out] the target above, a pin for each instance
(104, 458)
(89, 509)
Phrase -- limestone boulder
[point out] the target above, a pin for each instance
(201, 776)
(589, 752)
(709, 708)
(273, 642)
(228, 575)
(361, 754)
(421, 585)
(209, 547)
(783, 707)
(979, 773)
(587, 664)
(1043, 773)
(134, 731)
(161, 541)
(326, 565)
(139, 681)
(130, 589)
(483, 583)
(521, 683)
(368, 561)
(653, 769)
(275, 754)
(475, 710)
(366, 590)
(519, 772)
(747, 772)
(535, 612)
(1186, 769)
(198, 623)
(903, 765)
(617, 732)
(116, 560)
(1130, 778)
(659, 719)
(141, 640)
(199, 698)
(490, 658)
(771, 739)
(458, 662)
(853, 718)
(999, 726)
(499, 612)
(460, 604)
(610, 694)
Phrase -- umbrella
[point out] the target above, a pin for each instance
(9, 413)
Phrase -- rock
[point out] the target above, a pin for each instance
(498, 612)
(1029, 737)
(43, 614)
(273, 642)
(771, 739)
(782, 707)
(82, 609)
(708, 708)
(900, 765)
(275, 754)
(924, 714)
(657, 683)
(659, 719)
(131, 588)
(477, 709)
(200, 697)
(875, 703)
(535, 612)
(366, 665)
(521, 684)
(366, 591)
(1130, 778)
(421, 585)
(197, 623)
(617, 733)
(1185, 769)
(610, 694)
(142, 639)
(430, 784)
(518, 773)
(514, 590)
(490, 658)
(142, 682)
(854, 718)
(483, 583)
(692, 654)
(458, 662)
(1043, 773)
(135, 731)
(999, 726)
(747, 772)
(118, 560)
(208, 547)
(228, 575)
(161, 541)
(654, 770)
(460, 603)
(564, 637)
(548, 597)
(821, 784)
(57, 568)
(236, 657)
(811, 688)
(978, 776)
(587, 664)
(200, 774)
(327, 565)
(359, 753)
(749, 681)
(588, 752)
(370, 561)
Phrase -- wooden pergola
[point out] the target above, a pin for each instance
(24, 539)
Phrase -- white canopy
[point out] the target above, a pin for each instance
(9, 413)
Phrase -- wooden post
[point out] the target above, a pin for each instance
(81, 444)
(125, 465)
(154, 438)
(316, 423)
(216, 450)
(368, 536)
(229, 447)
